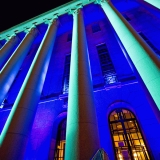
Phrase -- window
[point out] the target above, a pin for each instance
(107, 67)
(149, 43)
(69, 38)
(127, 138)
(66, 74)
(95, 28)
(61, 140)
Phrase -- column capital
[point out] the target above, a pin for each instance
(101, 1)
(76, 9)
(32, 31)
(14, 38)
(51, 21)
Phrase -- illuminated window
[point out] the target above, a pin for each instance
(127, 138)
(61, 140)
(107, 66)
(66, 74)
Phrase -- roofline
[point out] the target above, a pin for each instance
(63, 9)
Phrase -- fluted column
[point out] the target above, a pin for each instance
(6, 50)
(11, 68)
(82, 140)
(18, 126)
(140, 54)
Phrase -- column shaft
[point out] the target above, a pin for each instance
(82, 140)
(139, 53)
(18, 126)
(11, 68)
(6, 50)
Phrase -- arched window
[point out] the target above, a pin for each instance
(127, 138)
(61, 140)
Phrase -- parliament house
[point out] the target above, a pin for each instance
(82, 82)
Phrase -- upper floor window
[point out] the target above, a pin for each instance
(69, 38)
(149, 43)
(66, 74)
(107, 66)
(95, 28)
(126, 135)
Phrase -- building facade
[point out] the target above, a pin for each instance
(81, 82)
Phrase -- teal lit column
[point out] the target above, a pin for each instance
(82, 140)
(13, 65)
(139, 53)
(6, 50)
(19, 123)
(155, 3)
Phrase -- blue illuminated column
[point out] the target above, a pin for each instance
(5, 51)
(18, 126)
(13, 65)
(82, 140)
(141, 55)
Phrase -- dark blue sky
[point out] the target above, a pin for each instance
(14, 12)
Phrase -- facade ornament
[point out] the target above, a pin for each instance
(75, 10)
(101, 1)
(53, 20)
(34, 31)
(13, 38)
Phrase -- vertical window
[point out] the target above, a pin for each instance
(95, 28)
(61, 140)
(69, 38)
(66, 74)
(107, 66)
(149, 43)
(127, 137)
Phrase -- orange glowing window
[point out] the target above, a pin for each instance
(127, 138)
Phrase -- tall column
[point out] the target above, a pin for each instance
(145, 90)
(18, 126)
(82, 140)
(6, 50)
(139, 53)
(12, 66)
(155, 3)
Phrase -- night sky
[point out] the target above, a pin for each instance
(13, 12)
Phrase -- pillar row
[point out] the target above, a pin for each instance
(82, 140)
(6, 50)
(19, 123)
(139, 53)
(13, 65)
